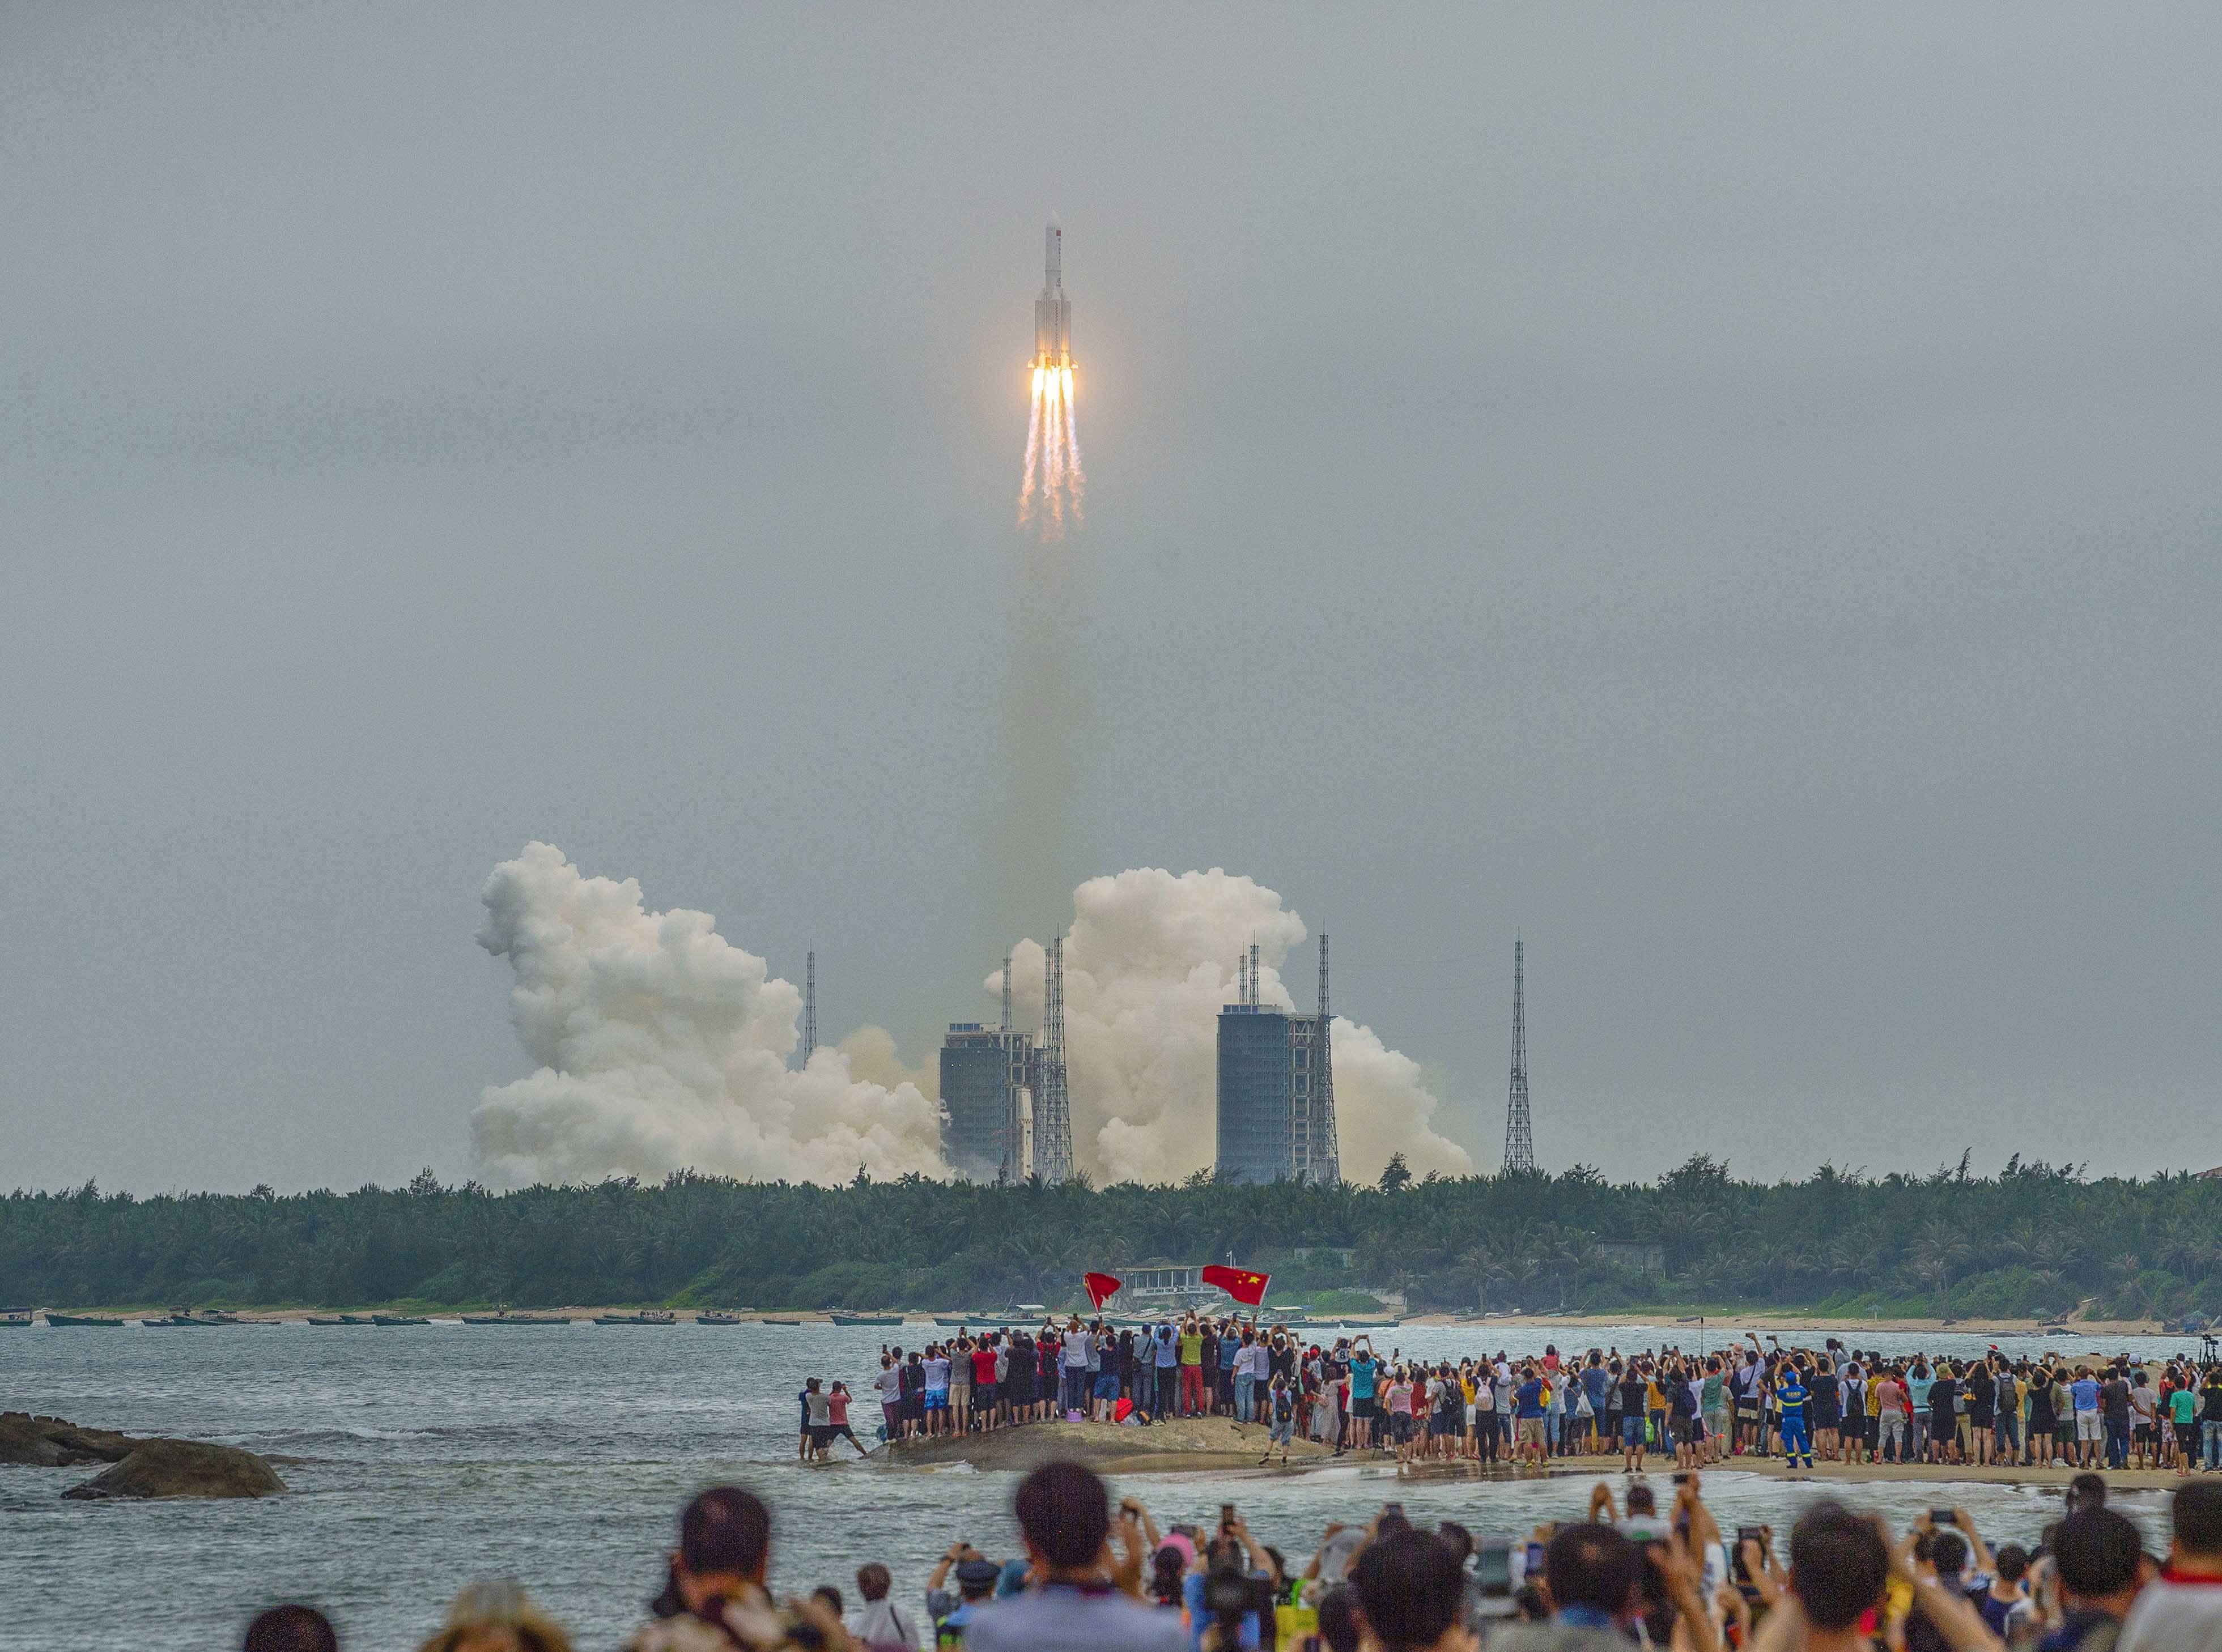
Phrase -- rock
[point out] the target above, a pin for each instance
(49, 1442)
(182, 1468)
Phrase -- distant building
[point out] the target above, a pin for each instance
(1276, 1087)
(1257, 1070)
(987, 1078)
(1641, 1255)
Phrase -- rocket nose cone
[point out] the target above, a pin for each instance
(1053, 222)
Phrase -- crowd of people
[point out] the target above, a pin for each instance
(1090, 1575)
(1835, 1402)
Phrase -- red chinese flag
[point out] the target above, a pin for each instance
(1099, 1287)
(1238, 1282)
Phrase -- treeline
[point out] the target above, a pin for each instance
(2035, 1239)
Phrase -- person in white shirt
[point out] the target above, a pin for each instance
(2182, 1611)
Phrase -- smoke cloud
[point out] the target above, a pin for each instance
(662, 1046)
(1150, 959)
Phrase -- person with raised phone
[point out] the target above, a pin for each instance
(1084, 1594)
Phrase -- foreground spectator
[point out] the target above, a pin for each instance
(497, 1617)
(2182, 1611)
(2097, 1560)
(715, 1598)
(1595, 1576)
(291, 1628)
(1408, 1586)
(1085, 1597)
(881, 1626)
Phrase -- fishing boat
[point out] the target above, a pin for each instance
(645, 1317)
(715, 1317)
(390, 1320)
(780, 1321)
(338, 1319)
(503, 1317)
(13, 1317)
(71, 1321)
(866, 1318)
(960, 1322)
(181, 1319)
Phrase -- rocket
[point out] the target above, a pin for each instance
(1053, 310)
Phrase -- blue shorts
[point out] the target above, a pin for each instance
(937, 1400)
(1631, 1433)
(1106, 1387)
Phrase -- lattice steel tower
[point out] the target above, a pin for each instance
(1327, 1156)
(809, 1006)
(1053, 1106)
(1519, 1138)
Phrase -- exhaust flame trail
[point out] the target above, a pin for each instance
(1052, 483)
(1033, 455)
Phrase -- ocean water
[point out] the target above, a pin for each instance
(435, 1456)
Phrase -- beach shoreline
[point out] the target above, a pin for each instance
(1689, 1328)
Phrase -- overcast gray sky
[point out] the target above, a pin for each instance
(1730, 493)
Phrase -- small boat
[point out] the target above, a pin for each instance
(866, 1318)
(338, 1320)
(70, 1321)
(645, 1317)
(181, 1319)
(13, 1317)
(779, 1322)
(960, 1322)
(715, 1317)
(392, 1319)
(503, 1317)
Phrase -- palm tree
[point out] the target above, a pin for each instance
(1935, 1252)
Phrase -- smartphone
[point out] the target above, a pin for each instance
(1682, 1478)
(1226, 1516)
(1534, 1567)
(1748, 1534)
(1392, 1508)
(1492, 1562)
(1941, 1517)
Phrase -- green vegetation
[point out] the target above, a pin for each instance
(2035, 1239)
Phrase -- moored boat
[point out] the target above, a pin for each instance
(866, 1318)
(76, 1321)
(716, 1317)
(337, 1319)
(13, 1317)
(645, 1317)
(390, 1320)
(781, 1322)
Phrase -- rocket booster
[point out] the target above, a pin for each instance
(1053, 310)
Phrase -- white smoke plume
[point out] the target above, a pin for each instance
(1150, 959)
(662, 1046)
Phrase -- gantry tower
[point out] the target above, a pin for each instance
(1053, 1114)
(1519, 1136)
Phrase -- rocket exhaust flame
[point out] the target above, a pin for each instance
(1053, 483)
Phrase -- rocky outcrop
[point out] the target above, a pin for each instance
(142, 1468)
(49, 1442)
(182, 1468)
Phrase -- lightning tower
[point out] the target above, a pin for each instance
(809, 1006)
(1327, 1154)
(1053, 1119)
(1519, 1138)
